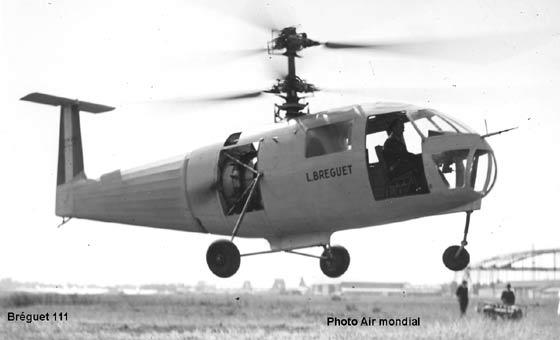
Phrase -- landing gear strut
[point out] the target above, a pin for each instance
(334, 261)
(223, 257)
(456, 257)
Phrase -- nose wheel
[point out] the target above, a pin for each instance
(457, 257)
(334, 261)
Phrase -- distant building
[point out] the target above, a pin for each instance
(373, 288)
(522, 289)
(302, 288)
(279, 286)
(326, 289)
(8, 284)
(365, 288)
(247, 287)
(203, 287)
(532, 273)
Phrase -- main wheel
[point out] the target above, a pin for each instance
(335, 260)
(455, 258)
(223, 258)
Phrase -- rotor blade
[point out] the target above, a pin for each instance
(336, 45)
(212, 57)
(210, 99)
(238, 96)
(423, 94)
(481, 48)
(259, 17)
(245, 52)
(254, 14)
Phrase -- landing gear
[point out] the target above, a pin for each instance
(223, 258)
(334, 261)
(456, 257)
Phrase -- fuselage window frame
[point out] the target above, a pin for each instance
(329, 138)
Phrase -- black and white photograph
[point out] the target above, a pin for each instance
(250, 169)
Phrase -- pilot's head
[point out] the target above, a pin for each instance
(397, 126)
(508, 286)
(464, 282)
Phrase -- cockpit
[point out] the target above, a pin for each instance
(415, 151)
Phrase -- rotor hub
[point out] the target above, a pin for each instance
(287, 43)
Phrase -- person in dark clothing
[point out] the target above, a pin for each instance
(399, 160)
(463, 297)
(508, 296)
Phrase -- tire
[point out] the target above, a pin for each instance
(335, 261)
(456, 262)
(223, 258)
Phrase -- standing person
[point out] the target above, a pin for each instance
(508, 296)
(463, 297)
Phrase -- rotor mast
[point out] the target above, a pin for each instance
(290, 42)
(292, 106)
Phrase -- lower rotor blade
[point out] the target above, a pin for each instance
(202, 100)
(237, 96)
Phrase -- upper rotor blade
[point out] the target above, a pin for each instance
(244, 52)
(336, 45)
(481, 48)
(252, 13)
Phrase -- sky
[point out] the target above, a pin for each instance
(135, 54)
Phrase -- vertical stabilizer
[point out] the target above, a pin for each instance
(70, 153)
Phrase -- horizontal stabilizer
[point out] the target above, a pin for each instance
(47, 99)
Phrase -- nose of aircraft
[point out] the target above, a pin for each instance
(459, 161)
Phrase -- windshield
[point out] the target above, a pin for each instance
(429, 123)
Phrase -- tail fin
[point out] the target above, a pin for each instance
(70, 154)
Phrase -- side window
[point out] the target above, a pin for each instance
(232, 139)
(328, 139)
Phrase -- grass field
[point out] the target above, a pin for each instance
(262, 317)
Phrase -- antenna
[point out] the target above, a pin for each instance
(485, 125)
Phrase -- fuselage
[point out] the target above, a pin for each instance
(320, 173)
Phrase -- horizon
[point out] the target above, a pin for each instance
(83, 50)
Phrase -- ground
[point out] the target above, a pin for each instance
(232, 316)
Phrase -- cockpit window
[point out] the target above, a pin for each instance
(431, 123)
(452, 167)
(328, 139)
(442, 124)
(483, 171)
(462, 127)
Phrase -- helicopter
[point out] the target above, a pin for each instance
(294, 184)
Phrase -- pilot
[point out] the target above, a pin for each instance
(508, 296)
(399, 160)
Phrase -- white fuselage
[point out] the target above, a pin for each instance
(304, 199)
